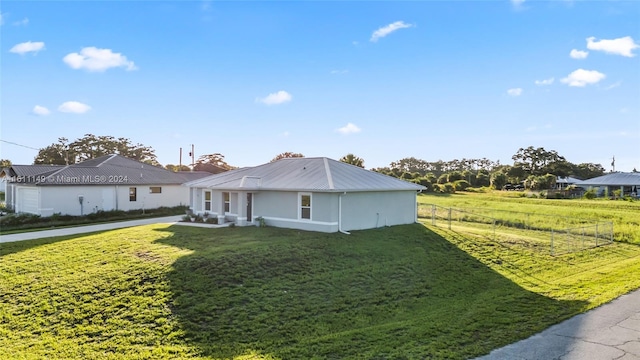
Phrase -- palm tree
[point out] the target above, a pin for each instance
(353, 160)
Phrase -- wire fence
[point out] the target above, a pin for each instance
(556, 235)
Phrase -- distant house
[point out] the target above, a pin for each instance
(562, 182)
(628, 183)
(317, 194)
(111, 182)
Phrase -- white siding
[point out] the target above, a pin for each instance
(64, 199)
(368, 210)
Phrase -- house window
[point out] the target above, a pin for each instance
(305, 206)
(207, 200)
(132, 194)
(155, 189)
(225, 196)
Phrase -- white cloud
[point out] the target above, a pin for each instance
(23, 22)
(621, 46)
(2, 17)
(339, 71)
(349, 129)
(286, 134)
(386, 30)
(578, 54)
(514, 92)
(517, 3)
(26, 47)
(74, 107)
(279, 97)
(40, 110)
(94, 59)
(548, 81)
(581, 77)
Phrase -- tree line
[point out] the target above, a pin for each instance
(535, 168)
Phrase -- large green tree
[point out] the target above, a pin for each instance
(90, 147)
(537, 161)
(213, 163)
(286, 155)
(353, 160)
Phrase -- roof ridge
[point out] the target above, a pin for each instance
(111, 156)
(329, 176)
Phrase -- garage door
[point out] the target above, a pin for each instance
(27, 200)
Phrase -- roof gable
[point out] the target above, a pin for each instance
(304, 174)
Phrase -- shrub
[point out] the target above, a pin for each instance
(212, 220)
(461, 185)
(449, 188)
(590, 194)
(186, 218)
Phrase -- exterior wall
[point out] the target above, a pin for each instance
(171, 195)
(9, 196)
(368, 210)
(365, 210)
(64, 199)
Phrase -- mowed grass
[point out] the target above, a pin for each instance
(625, 215)
(412, 292)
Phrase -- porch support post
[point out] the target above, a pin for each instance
(242, 208)
(217, 205)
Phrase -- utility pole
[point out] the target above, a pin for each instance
(613, 164)
(180, 164)
(193, 157)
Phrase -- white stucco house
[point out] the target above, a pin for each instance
(111, 182)
(316, 194)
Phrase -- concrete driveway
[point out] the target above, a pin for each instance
(611, 331)
(86, 229)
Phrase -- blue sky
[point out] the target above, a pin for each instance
(433, 80)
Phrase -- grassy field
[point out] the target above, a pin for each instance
(409, 292)
(625, 215)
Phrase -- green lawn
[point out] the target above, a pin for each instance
(625, 215)
(162, 291)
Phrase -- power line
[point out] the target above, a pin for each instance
(24, 146)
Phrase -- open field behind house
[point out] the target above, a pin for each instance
(556, 214)
(411, 291)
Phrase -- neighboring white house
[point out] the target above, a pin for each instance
(562, 182)
(627, 183)
(317, 194)
(111, 182)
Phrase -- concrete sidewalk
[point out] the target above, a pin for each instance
(86, 229)
(611, 331)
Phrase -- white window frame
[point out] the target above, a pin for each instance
(300, 207)
(226, 202)
(204, 198)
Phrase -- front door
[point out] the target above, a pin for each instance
(249, 206)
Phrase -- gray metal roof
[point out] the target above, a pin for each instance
(614, 179)
(29, 170)
(108, 170)
(304, 174)
(567, 180)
